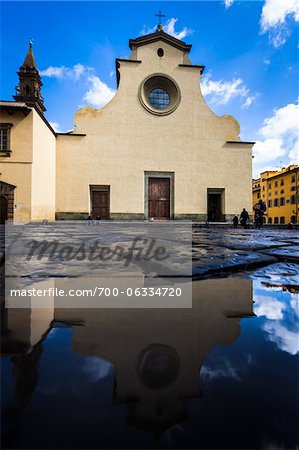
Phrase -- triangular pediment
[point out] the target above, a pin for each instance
(159, 35)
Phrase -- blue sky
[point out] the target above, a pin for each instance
(249, 48)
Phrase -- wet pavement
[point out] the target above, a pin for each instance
(221, 374)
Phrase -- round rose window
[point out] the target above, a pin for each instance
(159, 94)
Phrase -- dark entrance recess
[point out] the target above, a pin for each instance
(6, 201)
(159, 198)
(215, 205)
(100, 202)
(3, 209)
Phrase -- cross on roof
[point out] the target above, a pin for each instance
(160, 15)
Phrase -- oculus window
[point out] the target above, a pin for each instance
(159, 94)
(159, 98)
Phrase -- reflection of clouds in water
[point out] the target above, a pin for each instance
(224, 369)
(280, 310)
(295, 305)
(285, 339)
(97, 368)
(269, 307)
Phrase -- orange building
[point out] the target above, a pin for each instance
(280, 191)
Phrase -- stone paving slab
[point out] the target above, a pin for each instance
(229, 262)
(250, 240)
(290, 253)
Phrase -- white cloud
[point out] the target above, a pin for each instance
(97, 368)
(222, 92)
(224, 370)
(294, 153)
(228, 3)
(74, 73)
(280, 137)
(285, 339)
(99, 93)
(274, 16)
(285, 120)
(269, 307)
(249, 100)
(268, 150)
(169, 28)
(55, 72)
(55, 126)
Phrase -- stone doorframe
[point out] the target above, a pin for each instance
(169, 175)
(7, 191)
(221, 192)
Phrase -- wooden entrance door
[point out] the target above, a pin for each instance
(215, 207)
(3, 209)
(159, 198)
(100, 204)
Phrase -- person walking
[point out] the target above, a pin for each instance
(235, 221)
(244, 217)
(259, 211)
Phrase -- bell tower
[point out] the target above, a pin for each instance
(29, 88)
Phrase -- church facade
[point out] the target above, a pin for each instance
(156, 150)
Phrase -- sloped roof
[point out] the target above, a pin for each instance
(29, 60)
(159, 35)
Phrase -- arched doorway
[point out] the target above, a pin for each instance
(6, 201)
(3, 209)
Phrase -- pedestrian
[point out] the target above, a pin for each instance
(244, 217)
(89, 220)
(259, 211)
(235, 221)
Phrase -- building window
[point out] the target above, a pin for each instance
(282, 191)
(276, 183)
(269, 194)
(263, 188)
(269, 185)
(270, 220)
(269, 203)
(293, 179)
(293, 188)
(282, 220)
(282, 201)
(288, 201)
(293, 200)
(160, 52)
(159, 98)
(5, 137)
(282, 183)
(275, 219)
(258, 195)
(159, 94)
(276, 202)
(276, 193)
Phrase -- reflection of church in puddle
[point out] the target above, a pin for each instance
(157, 353)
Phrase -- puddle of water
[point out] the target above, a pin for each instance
(222, 374)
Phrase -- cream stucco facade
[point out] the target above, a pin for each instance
(114, 164)
(31, 165)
